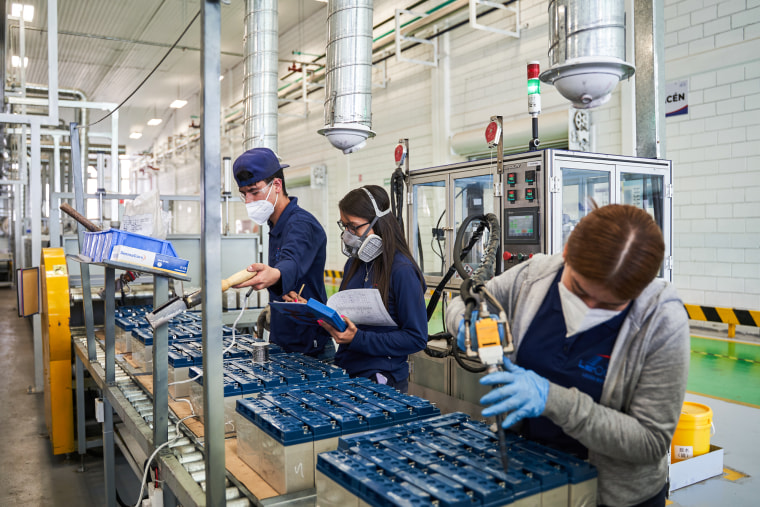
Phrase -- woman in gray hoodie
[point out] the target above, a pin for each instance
(603, 352)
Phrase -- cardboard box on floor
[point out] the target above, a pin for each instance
(698, 468)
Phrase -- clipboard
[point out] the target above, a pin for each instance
(309, 313)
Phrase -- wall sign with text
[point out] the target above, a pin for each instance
(676, 98)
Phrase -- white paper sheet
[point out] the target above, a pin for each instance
(362, 306)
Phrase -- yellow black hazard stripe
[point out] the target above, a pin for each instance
(725, 315)
(332, 273)
(730, 316)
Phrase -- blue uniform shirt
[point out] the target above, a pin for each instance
(385, 350)
(297, 247)
(579, 361)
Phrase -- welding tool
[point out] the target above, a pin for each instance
(178, 305)
(490, 334)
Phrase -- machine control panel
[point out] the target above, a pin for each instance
(522, 218)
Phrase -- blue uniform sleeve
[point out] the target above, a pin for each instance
(300, 247)
(409, 312)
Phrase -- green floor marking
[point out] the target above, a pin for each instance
(725, 369)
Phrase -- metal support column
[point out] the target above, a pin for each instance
(160, 366)
(649, 28)
(110, 291)
(211, 223)
(54, 221)
(81, 435)
(76, 170)
(109, 456)
(35, 203)
(109, 452)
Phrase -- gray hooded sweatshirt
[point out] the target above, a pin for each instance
(629, 431)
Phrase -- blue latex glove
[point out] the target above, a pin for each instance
(460, 331)
(523, 394)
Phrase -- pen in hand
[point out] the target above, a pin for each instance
(292, 297)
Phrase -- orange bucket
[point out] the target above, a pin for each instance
(692, 436)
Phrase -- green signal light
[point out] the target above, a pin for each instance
(534, 87)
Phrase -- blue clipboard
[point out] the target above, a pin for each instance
(309, 313)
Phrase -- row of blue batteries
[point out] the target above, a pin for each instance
(448, 460)
(330, 408)
(131, 317)
(132, 310)
(175, 332)
(245, 376)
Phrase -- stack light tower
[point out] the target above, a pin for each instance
(534, 102)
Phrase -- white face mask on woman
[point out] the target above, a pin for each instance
(260, 211)
(578, 316)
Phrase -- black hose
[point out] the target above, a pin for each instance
(397, 196)
(438, 291)
(461, 358)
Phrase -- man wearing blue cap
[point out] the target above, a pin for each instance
(297, 248)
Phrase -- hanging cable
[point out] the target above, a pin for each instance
(146, 77)
(147, 465)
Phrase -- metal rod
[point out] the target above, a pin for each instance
(211, 157)
(109, 454)
(160, 366)
(533, 146)
(81, 435)
(76, 169)
(110, 317)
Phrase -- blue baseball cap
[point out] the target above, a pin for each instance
(256, 165)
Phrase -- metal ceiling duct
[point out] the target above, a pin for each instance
(587, 50)
(348, 75)
(260, 79)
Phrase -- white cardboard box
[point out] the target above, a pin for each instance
(696, 469)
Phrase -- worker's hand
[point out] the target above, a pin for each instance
(523, 394)
(293, 297)
(266, 276)
(460, 332)
(341, 337)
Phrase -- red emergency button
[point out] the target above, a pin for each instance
(507, 256)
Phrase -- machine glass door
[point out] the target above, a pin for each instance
(427, 240)
(581, 188)
(644, 191)
(473, 195)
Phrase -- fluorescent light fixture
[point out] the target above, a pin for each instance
(135, 135)
(28, 11)
(154, 121)
(177, 104)
(16, 61)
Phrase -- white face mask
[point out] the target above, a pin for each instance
(260, 211)
(578, 316)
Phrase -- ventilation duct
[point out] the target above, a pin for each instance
(348, 75)
(260, 80)
(586, 50)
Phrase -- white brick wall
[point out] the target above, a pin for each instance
(715, 150)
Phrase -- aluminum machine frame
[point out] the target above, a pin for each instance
(538, 197)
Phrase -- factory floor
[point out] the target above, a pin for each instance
(724, 376)
(30, 475)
